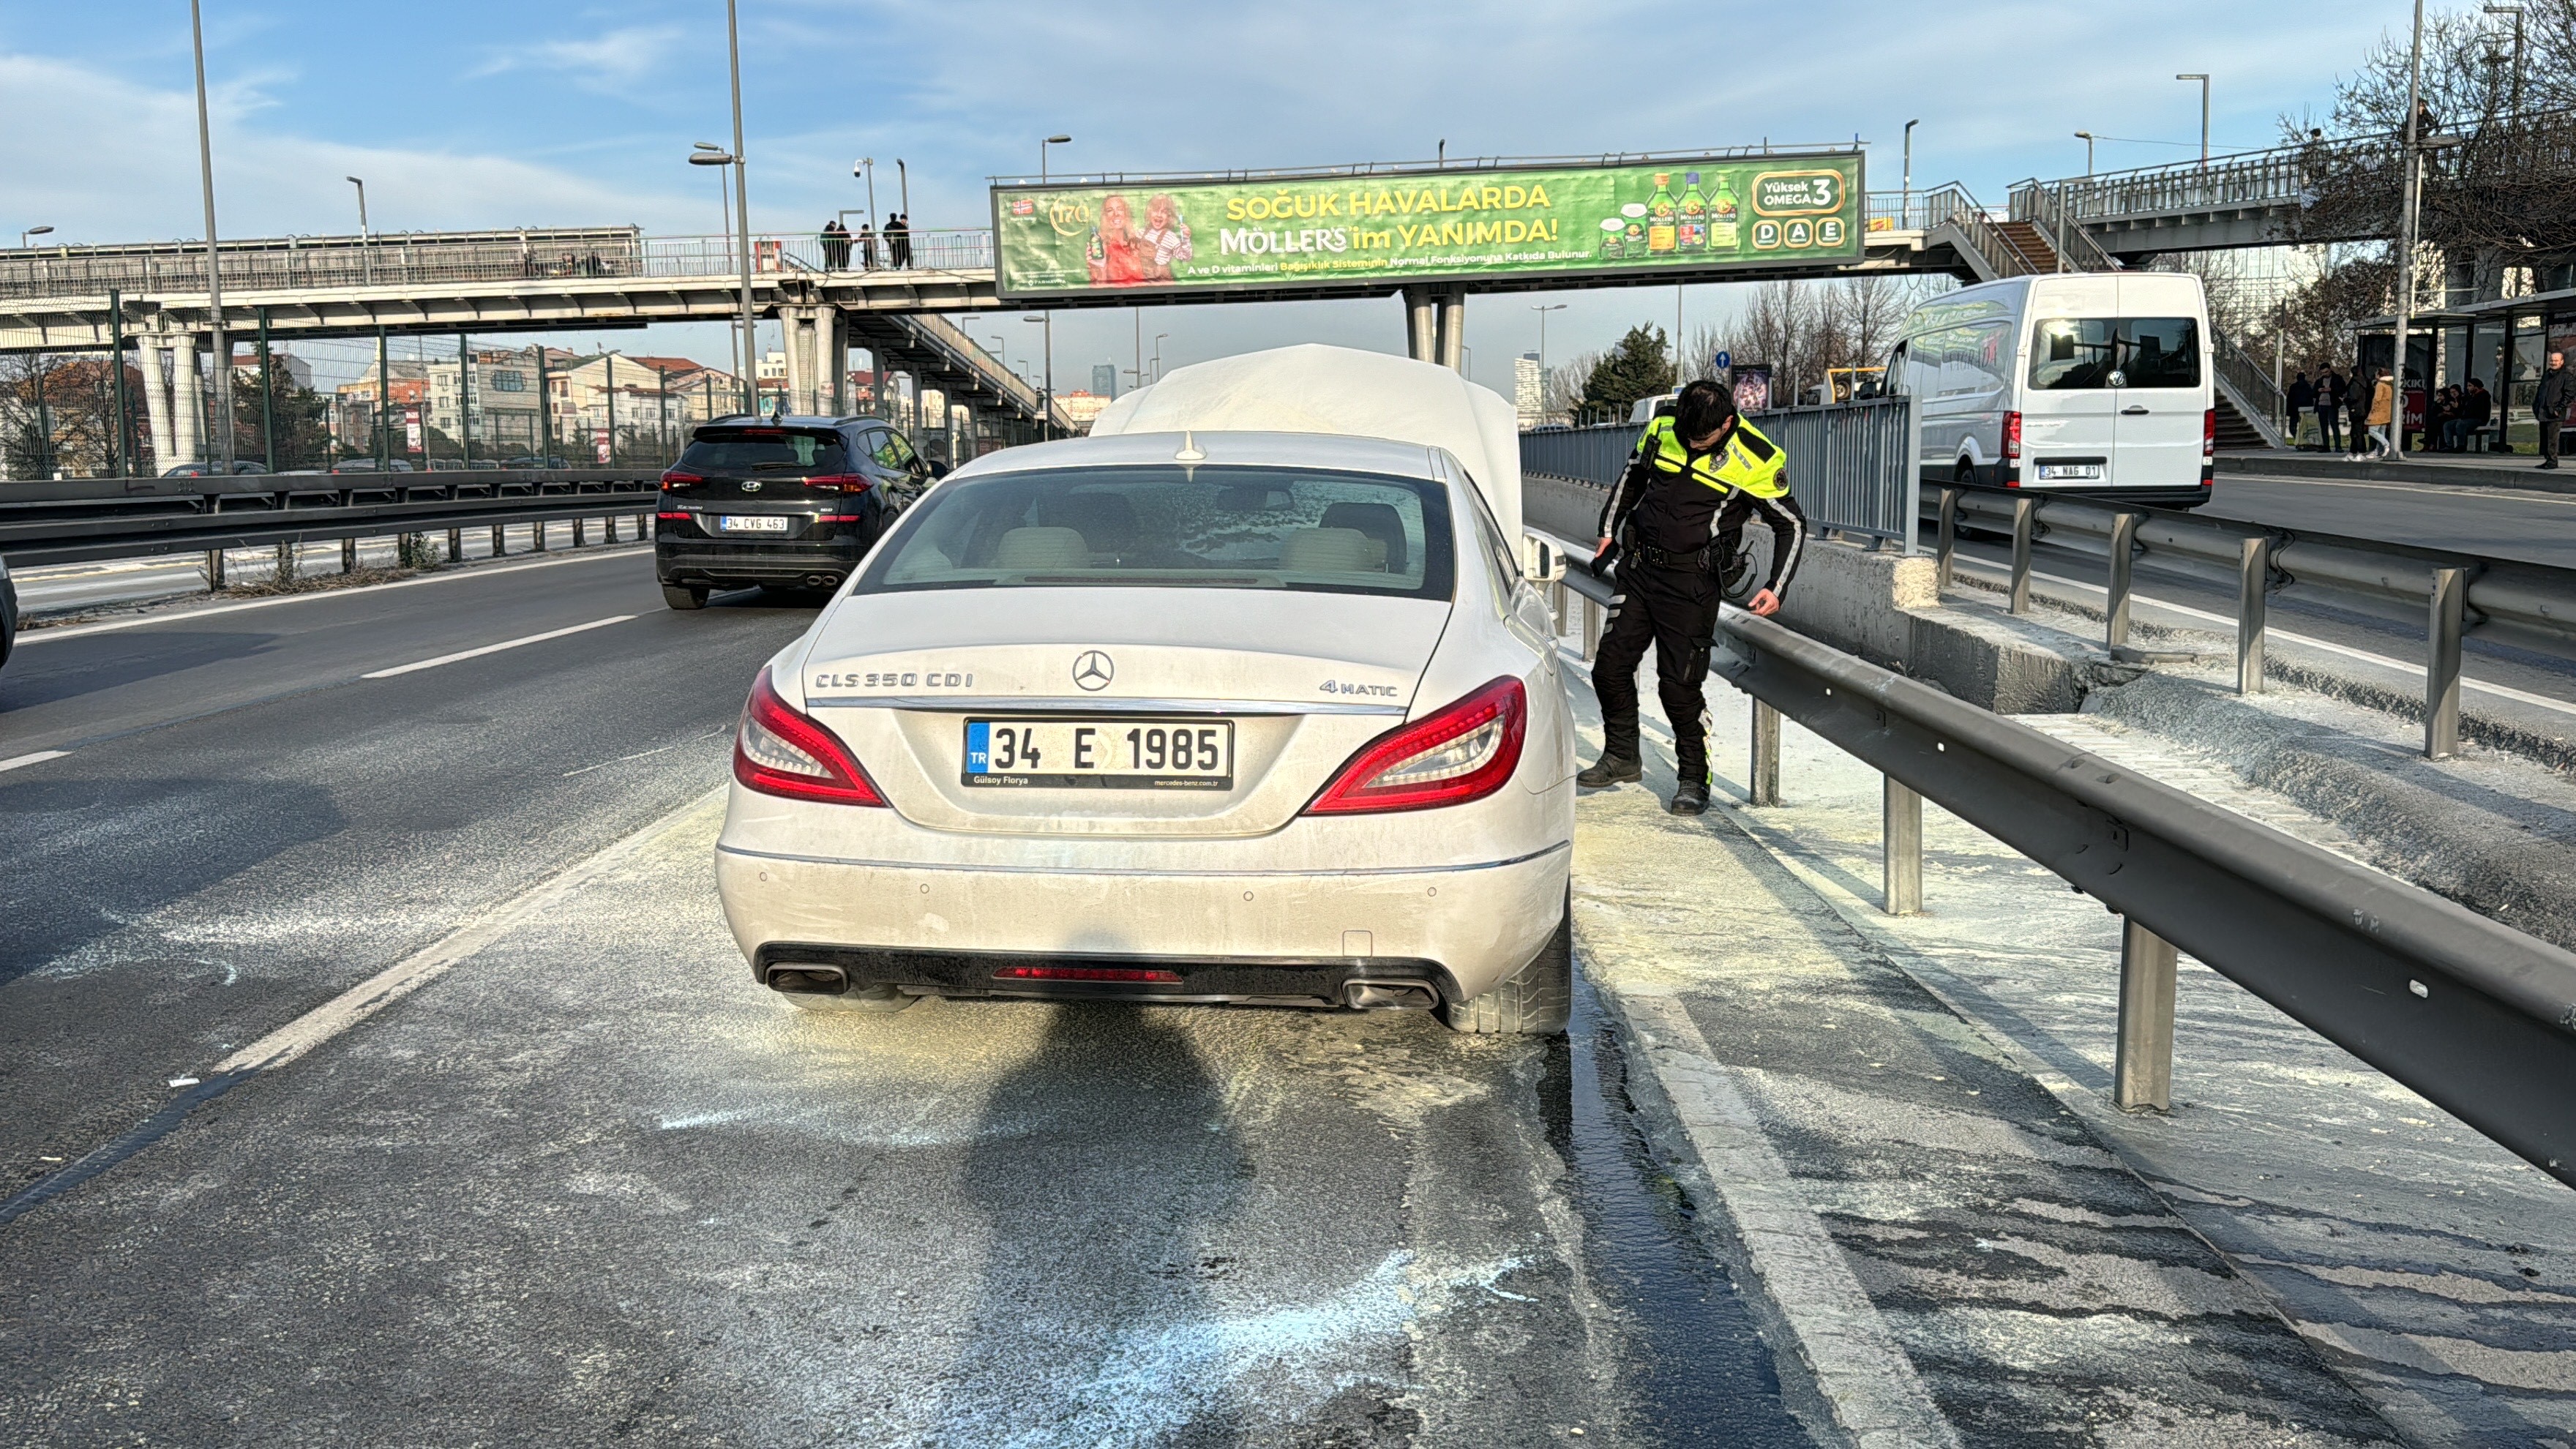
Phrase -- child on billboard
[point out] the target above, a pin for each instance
(1167, 234)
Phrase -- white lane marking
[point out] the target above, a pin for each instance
(2507, 691)
(181, 616)
(38, 758)
(2435, 490)
(411, 973)
(462, 654)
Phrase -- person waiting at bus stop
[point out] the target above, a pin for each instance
(1674, 525)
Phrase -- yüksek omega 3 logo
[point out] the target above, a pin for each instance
(1093, 671)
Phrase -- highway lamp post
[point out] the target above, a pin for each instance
(1542, 311)
(742, 209)
(222, 348)
(903, 199)
(2203, 78)
(464, 402)
(366, 238)
(2412, 173)
(2087, 138)
(866, 169)
(32, 231)
(384, 405)
(116, 452)
(1907, 204)
(1158, 355)
(1046, 422)
(44, 424)
(708, 153)
(267, 396)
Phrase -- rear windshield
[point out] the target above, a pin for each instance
(1172, 527)
(765, 450)
(2078, 354)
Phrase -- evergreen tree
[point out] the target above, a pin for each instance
(1640, 366)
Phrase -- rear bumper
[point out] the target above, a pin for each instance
(1251, 936)
(709, 564)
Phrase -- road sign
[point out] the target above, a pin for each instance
(1319, 231)
(1721, 361)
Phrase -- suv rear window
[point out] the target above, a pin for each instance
(764, 450)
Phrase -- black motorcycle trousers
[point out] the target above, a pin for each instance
(1676, 609)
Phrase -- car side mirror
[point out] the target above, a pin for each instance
(1541, 561)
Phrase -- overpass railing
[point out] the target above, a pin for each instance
(435, 259)
(2478, 1018)
(1851, 465)
(1951, 206)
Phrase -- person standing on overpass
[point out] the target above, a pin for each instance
(1676, 519)
(2551, 402)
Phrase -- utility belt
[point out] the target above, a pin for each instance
(1699, 560)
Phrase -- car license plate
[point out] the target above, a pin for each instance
(2070, 472)
(1102, 753)
(752, 522)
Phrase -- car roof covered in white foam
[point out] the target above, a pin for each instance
(1313, 388)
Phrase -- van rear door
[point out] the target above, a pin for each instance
(2068, 425)
(2164, 384)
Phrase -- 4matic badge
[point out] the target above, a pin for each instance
(1373, 691)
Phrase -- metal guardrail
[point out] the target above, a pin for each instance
(78, 521)
(1851, 465)
(2476, 1017)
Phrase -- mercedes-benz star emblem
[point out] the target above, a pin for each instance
(1093, 671)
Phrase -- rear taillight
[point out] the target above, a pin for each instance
(2012, 437)
(839, 518)
(674, 475)
(780, 752)
(1087, 973)
(1462, 753)
(846, 482)
(672, 517)
(2209, 433)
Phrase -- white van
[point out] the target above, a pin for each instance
(2091, 383)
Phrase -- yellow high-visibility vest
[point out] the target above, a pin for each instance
(1750, 462)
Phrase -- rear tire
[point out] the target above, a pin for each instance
(870, 1000)
(1533, 1001)
(680, 598)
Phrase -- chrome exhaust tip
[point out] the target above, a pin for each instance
(1389, 996)
(809, 980)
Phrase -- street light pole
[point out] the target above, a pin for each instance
(1542, 312)
(1908, 202)
(44, 425)
(1158, 355)
(366, 242)
(222, 432)
(1046, 424)
(2204, 113)
(2412, 172)
(31, 231)
(741, 216)
(2087, 138)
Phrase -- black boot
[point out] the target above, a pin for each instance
(1691, 796)
(1609, 770)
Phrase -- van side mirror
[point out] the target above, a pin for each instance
(1541, 561)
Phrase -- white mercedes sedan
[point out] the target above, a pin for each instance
(1236, 716)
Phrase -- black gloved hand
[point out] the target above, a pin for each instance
(1605, 562)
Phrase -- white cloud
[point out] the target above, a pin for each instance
(615, 60)
(120, 164)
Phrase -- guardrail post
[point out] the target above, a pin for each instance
(215, 569)
(577, 531)
(1766, 755)
(500, 547)
(2442, 664)
(1591, 626)
(348, 555)
(537, 536)
(456, 545)
(1901, 848)
(610, 524)
(2023, 509)
(2142, 1072)
(1556, 609)
(2253, 575)
(2115, 615)
(1948, 540)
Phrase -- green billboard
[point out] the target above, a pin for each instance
(1185, 235)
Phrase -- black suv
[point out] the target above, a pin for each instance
(789, 502)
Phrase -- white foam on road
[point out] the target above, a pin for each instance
(411, 973)
(464, 654)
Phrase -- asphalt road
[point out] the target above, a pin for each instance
(2496, 522)
(591, 1183)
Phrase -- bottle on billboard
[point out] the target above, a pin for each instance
(1634, 214)
(1694, 215)
(1661, 229)
(1725, 215)
(1614, 236)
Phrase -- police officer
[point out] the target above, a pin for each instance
(1676, 523)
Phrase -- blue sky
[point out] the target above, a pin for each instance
(478, 113)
